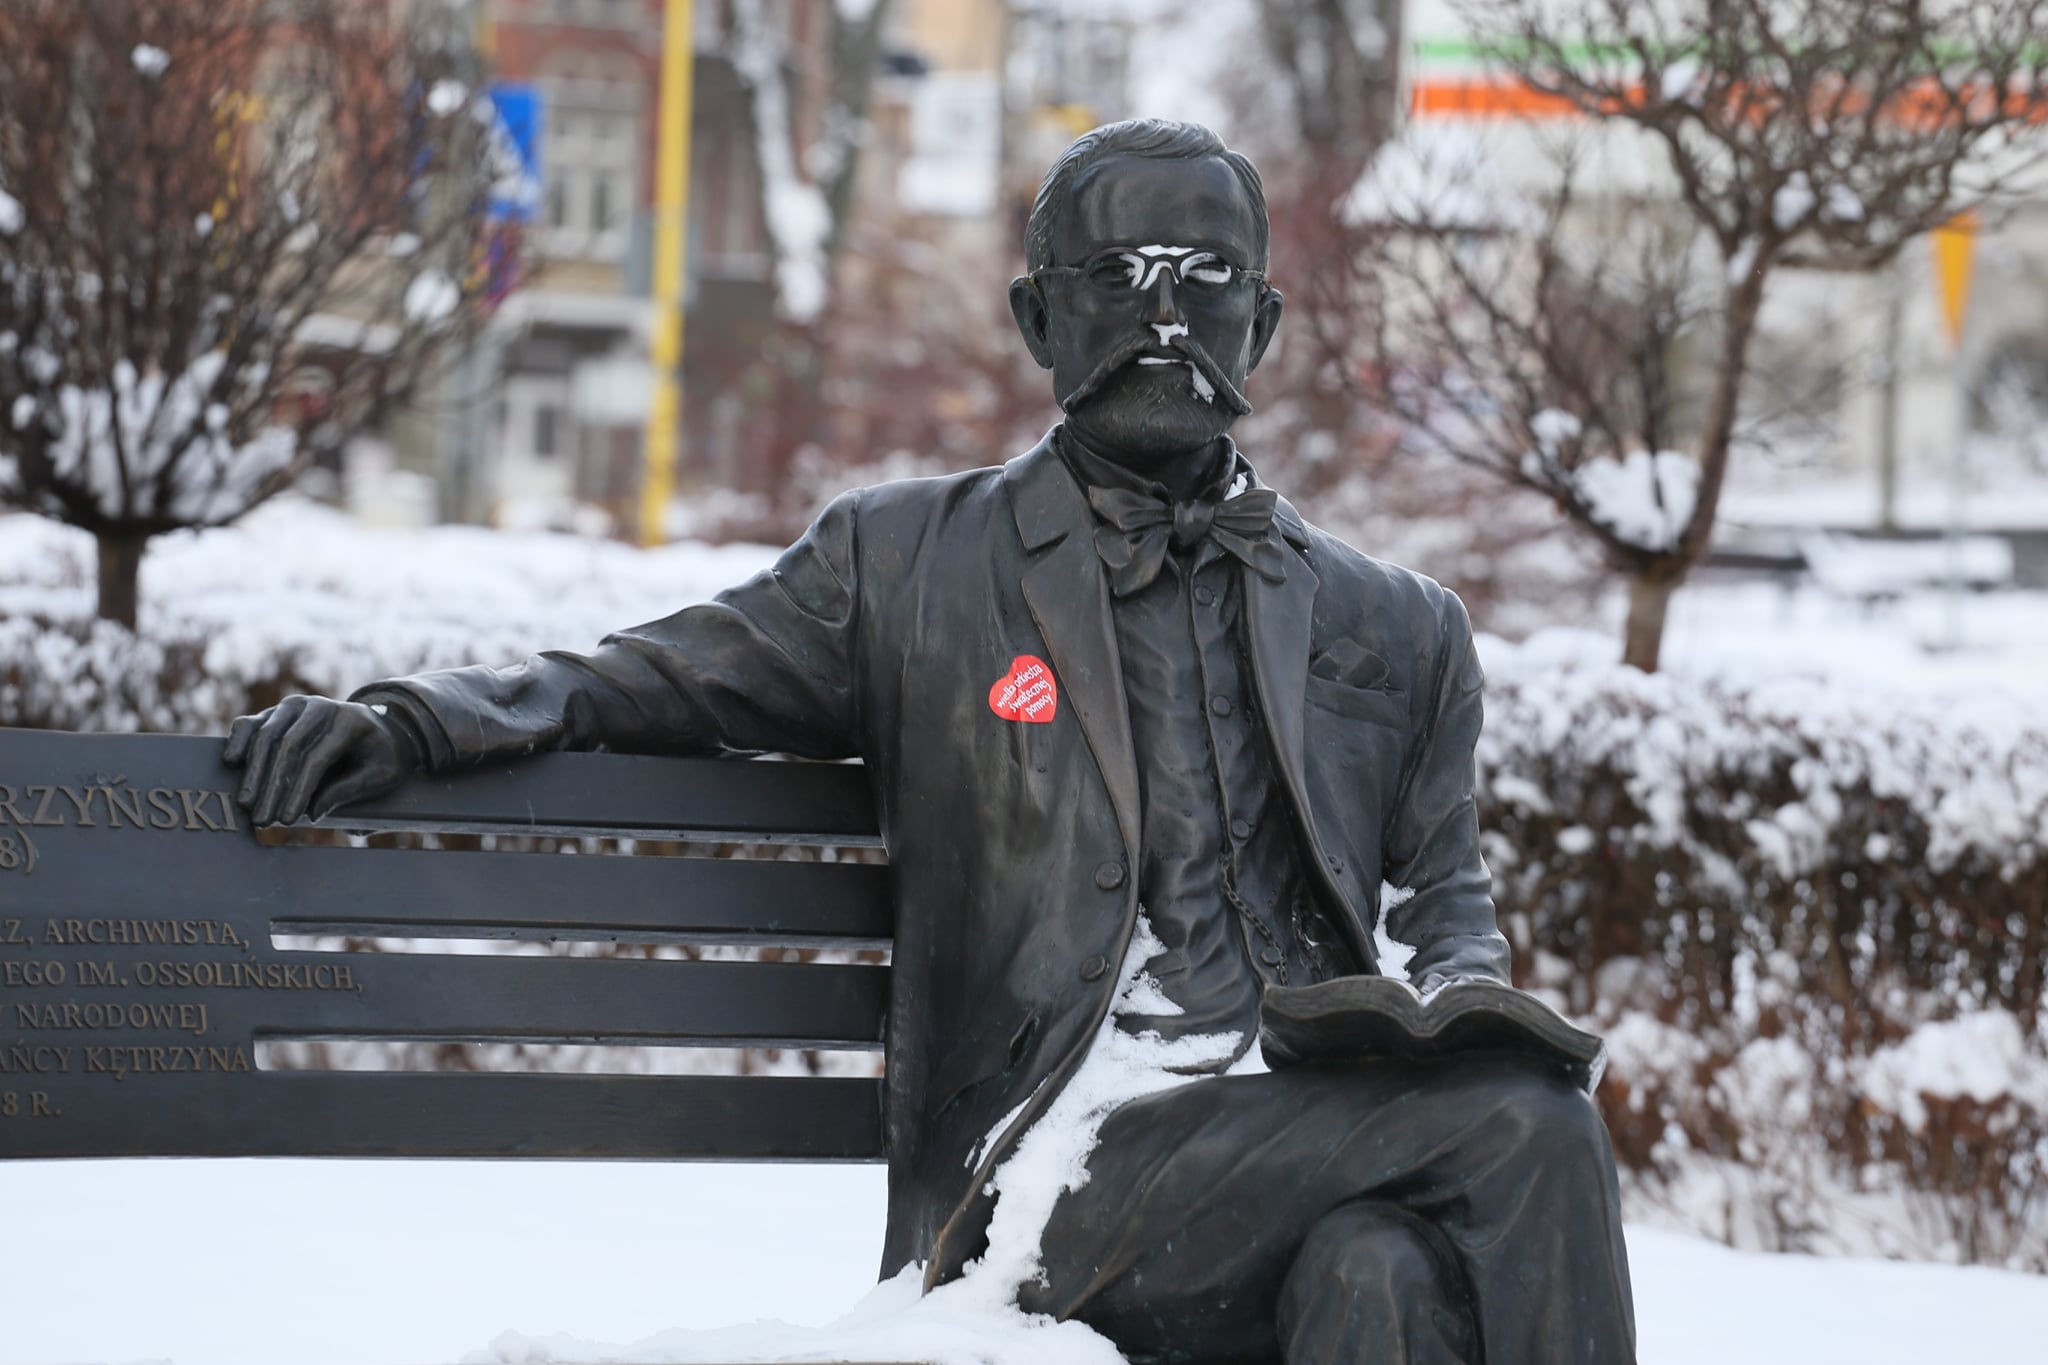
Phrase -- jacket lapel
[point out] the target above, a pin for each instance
(1279, 618)
(1069, 599)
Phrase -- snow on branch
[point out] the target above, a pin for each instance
(807, 175)
(799, 218)
(1536, 341)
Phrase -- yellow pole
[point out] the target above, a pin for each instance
(1955, 250)
(671, 241)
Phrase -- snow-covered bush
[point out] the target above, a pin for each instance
(1813, 927)
(299, 599)
(1815, 930)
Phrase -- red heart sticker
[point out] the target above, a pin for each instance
(1026, 693)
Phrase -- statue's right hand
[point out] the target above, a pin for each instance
(314, 753)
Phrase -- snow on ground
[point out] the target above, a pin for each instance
(1758, 634)
(2000, 497)
(383, 1263)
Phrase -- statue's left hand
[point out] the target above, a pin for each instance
(316, 753)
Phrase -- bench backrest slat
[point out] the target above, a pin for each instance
(558, 1000)
(141, 974)
(357, 1114)
(368, 892)
(445, 894)
(693, 798)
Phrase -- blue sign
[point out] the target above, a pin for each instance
(518, 112)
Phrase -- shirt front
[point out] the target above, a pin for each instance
(1220, 873)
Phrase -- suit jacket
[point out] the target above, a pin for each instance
(879, 635)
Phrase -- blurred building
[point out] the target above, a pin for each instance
(970, 100)
(1069, 70)
(543, 423)
(1860, 359)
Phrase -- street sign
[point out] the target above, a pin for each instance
(516, 114)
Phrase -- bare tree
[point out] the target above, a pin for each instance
(1547, 346)
(196, 198)
(809, 175)
(1336, 63)
(1313, 89)
(807, 183)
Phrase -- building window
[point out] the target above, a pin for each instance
(597, 13)
(728, 237)
(592, 166)
(547, 430)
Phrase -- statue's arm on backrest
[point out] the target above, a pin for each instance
(765, 666)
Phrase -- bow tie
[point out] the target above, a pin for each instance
(1133, 545)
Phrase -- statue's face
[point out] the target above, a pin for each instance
(1147, 318)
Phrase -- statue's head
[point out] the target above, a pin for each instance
(1146, 294)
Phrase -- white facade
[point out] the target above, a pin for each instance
(1843, 332)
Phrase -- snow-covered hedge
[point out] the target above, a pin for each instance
(299, 598)
(1814, 927)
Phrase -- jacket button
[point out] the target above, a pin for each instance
(1219, 706)
(1240, 828)
(1109, 876)
(1094, 967)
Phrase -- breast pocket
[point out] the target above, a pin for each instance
(1377, 705)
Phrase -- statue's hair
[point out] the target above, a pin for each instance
(1161, 139)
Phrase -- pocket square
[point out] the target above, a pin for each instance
(1353, 665)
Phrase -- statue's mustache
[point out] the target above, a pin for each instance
(1136, 345)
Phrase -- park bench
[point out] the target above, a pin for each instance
(1875, 569)
(142, 983)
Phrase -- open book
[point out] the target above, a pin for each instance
(1356, 1017)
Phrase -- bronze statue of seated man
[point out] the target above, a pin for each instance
(1144, 743)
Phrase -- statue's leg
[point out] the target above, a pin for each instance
(1530, 1202)
(1373, 1273)
(1200, 1200)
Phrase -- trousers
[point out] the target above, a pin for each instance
(1377, 1212)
